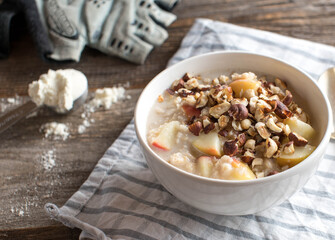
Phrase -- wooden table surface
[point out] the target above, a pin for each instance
(25, 185)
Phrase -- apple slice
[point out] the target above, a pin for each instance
(242, 85)
(205, 166)
(303, 129)
(208, 144)
(300, 153)
(167, 136)
(231, 169)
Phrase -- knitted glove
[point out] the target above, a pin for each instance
(125, 28)
(11, 24)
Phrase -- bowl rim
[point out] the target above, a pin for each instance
(291, 171)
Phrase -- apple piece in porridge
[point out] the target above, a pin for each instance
(296, 156)
(228, 168)
(209, 144)
(166, 137)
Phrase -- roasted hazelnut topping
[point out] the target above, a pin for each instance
(282, 111)
(271, 148)
(178, 85)
(192, 83)
(280, 83)
(219, 109)
(223, 133)
(241, 139)
(297, 139)
(228, 93)
(170, 91)
(187, 76)
(238, 111)
(216, 91)
(270, 123)
(262, 130)
(209, 128)
(289, 148)
(195, 128)
(230, 148)
(202, 100)
(248, 156)
(287, 100)
(223, 121)
(183, 92)
(272, 103)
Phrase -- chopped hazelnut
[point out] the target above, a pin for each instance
(238, 112)
(187, 76)
(253, 104)
(219, 109)
(252, 131)
(209, 128)
(242, 101)
(183, 92)
(241, 139)
(262, 130)
(230, 148)
(271, 148)
(223, 121)
(237, 125)
(202, 100)
(287, 100)
(206, 121)
(280, 83)
(257, 161)
(223, 79)
(297, 139)
(248, 156)
(245, 124)
(270, 123)
(250, 144)
(192, 83)
(289, 148)
(195, 128)
(282, 111)
(178, 84)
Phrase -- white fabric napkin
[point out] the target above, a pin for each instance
(122, 199)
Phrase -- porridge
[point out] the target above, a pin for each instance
(239, 127)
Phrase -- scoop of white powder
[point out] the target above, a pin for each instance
(58, 89)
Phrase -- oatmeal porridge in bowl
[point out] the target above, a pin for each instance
(237, 127)
(233, 133)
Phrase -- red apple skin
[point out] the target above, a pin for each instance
(159, 146)
(191, 111)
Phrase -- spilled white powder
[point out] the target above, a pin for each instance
(103, 97)
(11, 100)
(48, 159)
(56, 131)
(21, 213)
(81, 129)
(7, 104)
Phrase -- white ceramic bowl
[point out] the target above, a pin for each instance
(229, 197)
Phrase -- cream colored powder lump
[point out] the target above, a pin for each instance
(58, 89)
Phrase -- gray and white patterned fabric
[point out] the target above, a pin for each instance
(122, 199)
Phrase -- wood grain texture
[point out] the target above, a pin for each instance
(25, 185)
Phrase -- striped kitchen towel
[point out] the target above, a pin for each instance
(122, 199)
